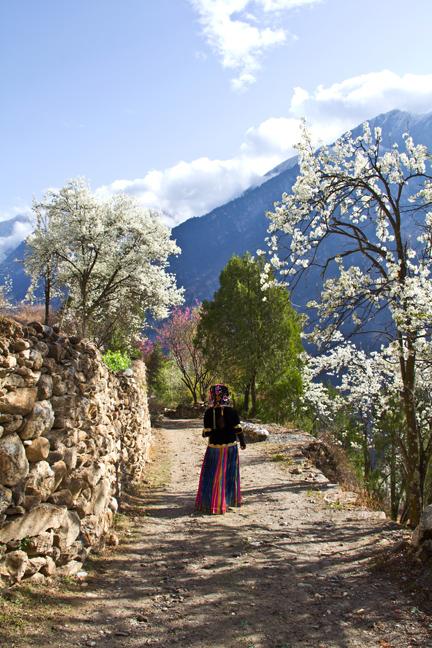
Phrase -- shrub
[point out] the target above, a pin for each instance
(116, 361)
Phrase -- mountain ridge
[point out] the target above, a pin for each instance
(240, 225)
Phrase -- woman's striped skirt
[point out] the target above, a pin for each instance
(219, 486)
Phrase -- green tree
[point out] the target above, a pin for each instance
(251, 338)
(165, 381)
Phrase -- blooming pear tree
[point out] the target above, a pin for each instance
(6, 303)
(110, 257)
(367, 392)
(371, 203)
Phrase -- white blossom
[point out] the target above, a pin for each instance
(106, 256)
(378, 202)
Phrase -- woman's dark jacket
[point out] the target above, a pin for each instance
(222, 425)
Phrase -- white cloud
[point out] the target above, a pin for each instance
(7, 213)
(363, 97)
(195, 188)
(21, 230)
(189, 188)
(240, 32)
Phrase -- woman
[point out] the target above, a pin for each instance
(219, 486)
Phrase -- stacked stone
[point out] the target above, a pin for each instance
(72, 433)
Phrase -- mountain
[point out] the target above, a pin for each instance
(7, 227)
(208, 241)
(14, 270)
(241, 225)
(13, 231)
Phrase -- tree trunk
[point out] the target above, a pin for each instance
(394, 497)
(414, 470)
(246, 399)
(366, 455)
(47, 301)
(253, 398)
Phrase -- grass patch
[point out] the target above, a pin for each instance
(32, 606)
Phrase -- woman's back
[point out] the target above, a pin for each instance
(222, 421)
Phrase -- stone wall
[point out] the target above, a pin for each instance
(72, 433)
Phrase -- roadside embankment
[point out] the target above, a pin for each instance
(72, 432)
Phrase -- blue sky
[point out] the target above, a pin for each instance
(186, 103)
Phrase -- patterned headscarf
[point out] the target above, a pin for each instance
(218, 396)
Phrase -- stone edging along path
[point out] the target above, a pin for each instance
(293, 567)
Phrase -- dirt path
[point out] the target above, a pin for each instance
(287, 569)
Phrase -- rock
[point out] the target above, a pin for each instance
(61, 498)
(113, 504)
(39, 422)
(40, 480)
(68, 532)
(20, 401)
(63, 405)
(71, 568)
(45, 387)
(112, 540)
(101, 496)
(296, 471)
(15, 510)
(54, 456)
(36, 579)
(70, 458)
(5, 498)
(63, 422)
(14, 466)
(49, 569)
(424, 553)
(16, 564)
(94, 473)
(14, 381)
(50, 365)
(36, 359)
(74, 485)
(59, 437)
(59, 387)
(31, 378)
(11, 423)
(423, 531)
(24, 371)
(34, 565)
(41, 348)
(60, 471)
(56, 352)
(8, 363)
(18, 492)
(82, 507)
(72, 420)
(23, 357)
(75, 339)
(30, 501)
(40, 544)
(19, 345)
(38, 450)
(43, 517)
